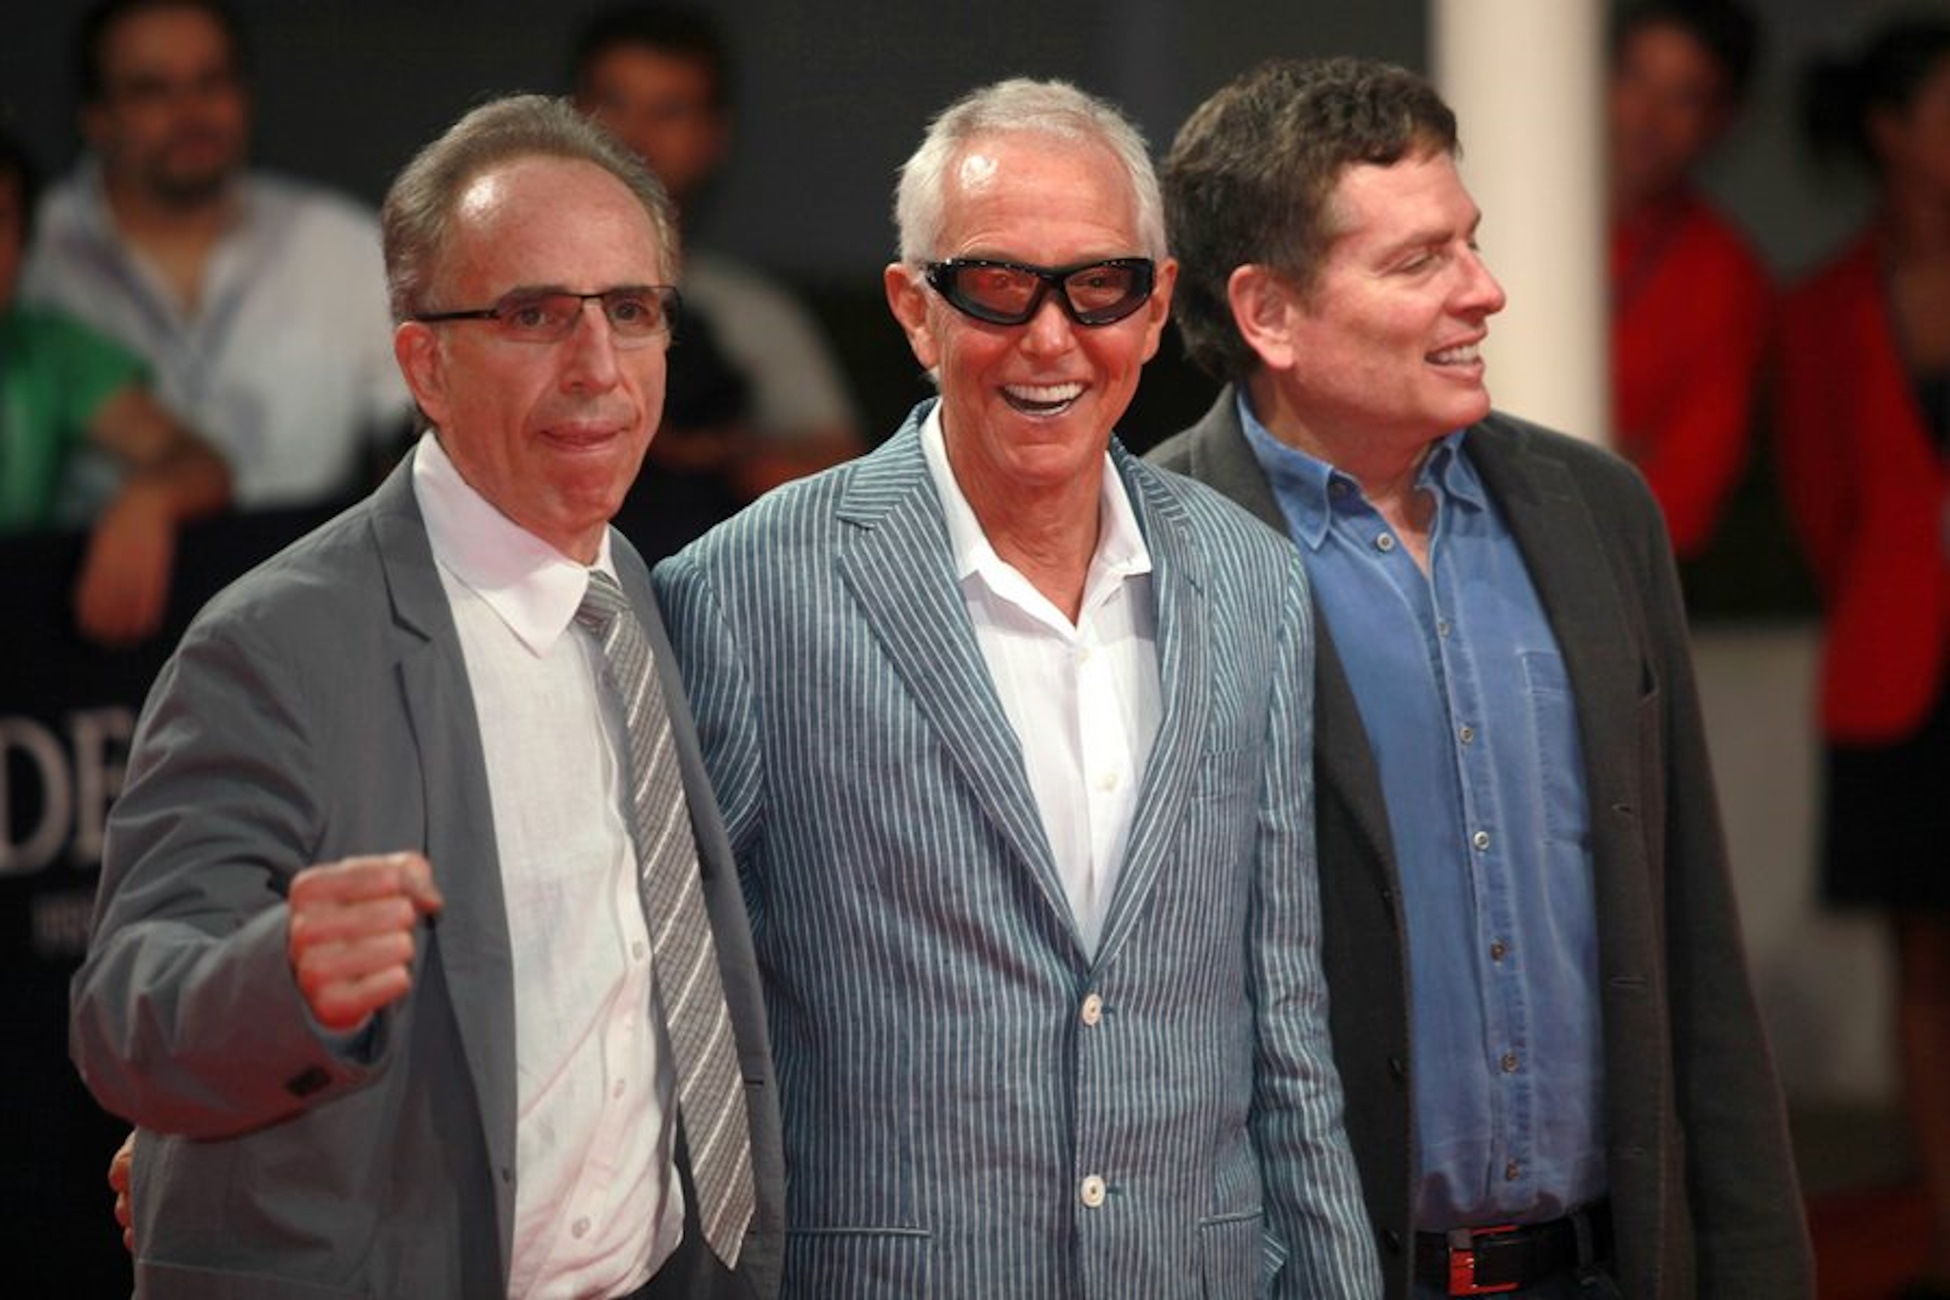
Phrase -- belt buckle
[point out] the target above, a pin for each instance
(1462, 1260)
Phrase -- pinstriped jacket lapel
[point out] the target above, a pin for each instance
(915, 610)
(1183, 630)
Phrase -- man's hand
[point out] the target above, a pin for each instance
(121, 1166)
(353, 931)
(123, 586)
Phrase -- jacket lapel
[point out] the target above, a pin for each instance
(1184, 678)
(1564, 553)
(896, 564)
(469, 939)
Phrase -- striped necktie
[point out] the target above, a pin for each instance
(710, 1087)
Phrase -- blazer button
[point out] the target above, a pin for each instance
(1092, 1192)
(1093, 1009)
(1398, 1067)
(1392, 1240)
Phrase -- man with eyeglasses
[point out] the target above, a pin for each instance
(419, 955)
(1011, 737)
(1558, 1082)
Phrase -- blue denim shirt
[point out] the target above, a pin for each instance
(1468, 709)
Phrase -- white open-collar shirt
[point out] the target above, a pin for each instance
(1083, 698)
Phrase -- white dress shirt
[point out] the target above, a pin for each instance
(1084, 699)
(597, 1202)
(286, 364)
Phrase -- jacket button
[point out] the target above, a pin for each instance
(1092, 1192)
(1093, 1009)
(1398, 1067)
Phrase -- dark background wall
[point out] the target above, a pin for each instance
(831, 97)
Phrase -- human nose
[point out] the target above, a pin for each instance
(1479, 294)
(591, 350)
(1050, 330)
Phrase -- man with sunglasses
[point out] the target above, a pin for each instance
(1558, 1082)
(419, 956)
(1011, 737)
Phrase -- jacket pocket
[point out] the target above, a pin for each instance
(1238, 1260)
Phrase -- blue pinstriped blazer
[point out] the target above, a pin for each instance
(944, 1098)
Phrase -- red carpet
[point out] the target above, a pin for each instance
(1868, 1242)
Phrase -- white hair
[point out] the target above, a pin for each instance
(1020, 106)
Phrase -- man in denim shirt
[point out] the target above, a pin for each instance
(1516, 816)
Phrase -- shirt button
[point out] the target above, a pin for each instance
(1511, 1172)
(1481, 839)
(1498, 949)
(1468, 734)
(1108, 781)
(1442, 627)
(1509, 1062)
(639, 950)
(580, 1228)
(1085, 654)
(1337, 488)
(1092, 1192)
(1093, 1009)
(616, 1089)
(1385, 542)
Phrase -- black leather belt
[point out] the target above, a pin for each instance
(1486, 1261)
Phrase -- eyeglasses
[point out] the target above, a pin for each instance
(1011, 293)
(636, 314)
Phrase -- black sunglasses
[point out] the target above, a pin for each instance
(1011, 293)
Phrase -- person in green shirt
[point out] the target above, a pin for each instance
(62, 385)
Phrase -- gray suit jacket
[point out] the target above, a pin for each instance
(320, 707)
(1703, 1190)
(953, 1066)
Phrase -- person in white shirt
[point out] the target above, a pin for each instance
(1011, 737)
(259, 302)
(382, 961)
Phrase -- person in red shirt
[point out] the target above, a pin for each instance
(1690, 300)
(1864, 432)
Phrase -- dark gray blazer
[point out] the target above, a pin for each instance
(320, 707)
(1703, 1189)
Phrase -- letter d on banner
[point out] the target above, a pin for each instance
(28, 747)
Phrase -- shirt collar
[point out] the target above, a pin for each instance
(1121, 552)
(531, 586)
(1448, 473)
(1305, 484)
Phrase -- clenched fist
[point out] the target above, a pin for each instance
(354, 925)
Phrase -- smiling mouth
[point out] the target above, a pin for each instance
(1041, 399)
(1466, 355)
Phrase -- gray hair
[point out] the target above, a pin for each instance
(1020, 106)
(416, 221)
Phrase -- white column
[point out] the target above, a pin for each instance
(1526, 79)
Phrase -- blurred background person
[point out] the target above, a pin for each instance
(258, 302)
(661, 78)
(64, 387)
(1690, 299)
(1864, 428)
